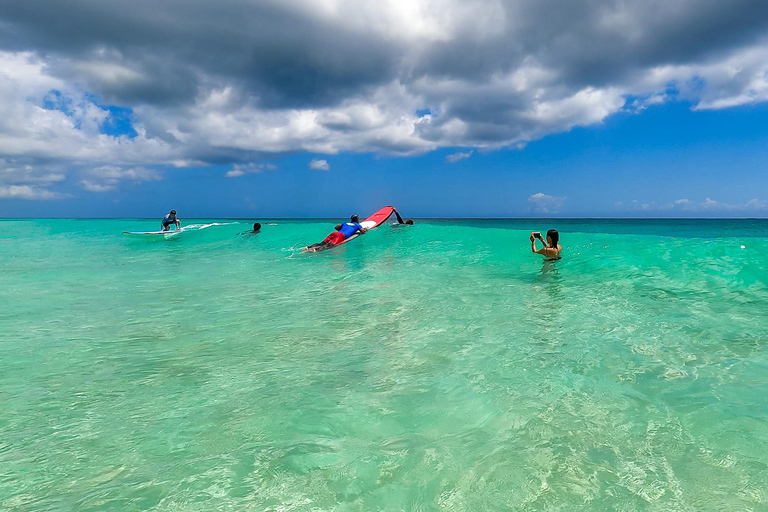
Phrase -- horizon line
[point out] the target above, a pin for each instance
(251, 219)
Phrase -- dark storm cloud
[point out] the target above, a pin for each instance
(290, 57)
(595, 43)
(285, 57)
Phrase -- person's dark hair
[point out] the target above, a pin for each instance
(256, 226)
(554, 236)
(409, 222)
(354, 218)
(173, 212)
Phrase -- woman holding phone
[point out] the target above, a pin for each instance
(551, 249)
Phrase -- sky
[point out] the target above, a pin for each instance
(443, 108)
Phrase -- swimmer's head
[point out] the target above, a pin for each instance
(354, 218)
(553, 237)
(256, 226)
(409, 222)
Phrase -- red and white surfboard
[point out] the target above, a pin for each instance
(375, 220)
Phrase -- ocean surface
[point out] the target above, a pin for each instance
(435, 367)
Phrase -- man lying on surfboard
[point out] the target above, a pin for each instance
(343, 231)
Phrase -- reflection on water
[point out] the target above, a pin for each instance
(545, 308)
(549, 266)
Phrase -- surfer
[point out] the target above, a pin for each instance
(171, 219)
(551, 249)
(343, 231)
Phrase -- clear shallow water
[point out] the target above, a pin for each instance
(435, 367)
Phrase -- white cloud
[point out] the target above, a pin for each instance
(27, 192)
(542, 203)
(251, 168)
(755, 204)
(68, 128)
(24, 181)
(320, 165)
(686, 205)
(455, 157)
(752, 204)
(91, 186)
(44, 119)
(12, 173)
(106, 178)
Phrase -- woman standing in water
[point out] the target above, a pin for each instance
(551, 249)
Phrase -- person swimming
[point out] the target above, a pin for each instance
(551, 249)
(400, 221)
(343, 231)
(408, 222)
(256, 229)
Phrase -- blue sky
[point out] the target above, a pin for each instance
(656, 157)
(321, 109)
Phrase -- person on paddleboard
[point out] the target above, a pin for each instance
(551, 249)
(343, 231)
(171, 219)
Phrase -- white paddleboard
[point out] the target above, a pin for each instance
(166, 234)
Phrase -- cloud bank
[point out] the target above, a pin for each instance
(229, 82)
(686, 205)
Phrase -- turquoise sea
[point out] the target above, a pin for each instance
(435, 367)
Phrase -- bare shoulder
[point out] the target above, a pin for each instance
(552, 251)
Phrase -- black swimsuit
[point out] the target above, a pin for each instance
(551, 258)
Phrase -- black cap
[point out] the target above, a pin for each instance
(354, 218)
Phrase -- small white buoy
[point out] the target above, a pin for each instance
(743, 246)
